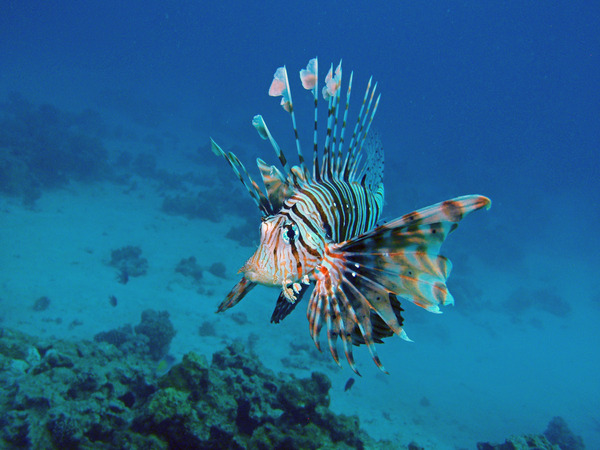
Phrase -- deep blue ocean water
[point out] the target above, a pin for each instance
(493, 98)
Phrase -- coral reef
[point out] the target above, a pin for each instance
(42, 147)
(240, 318)
(209, 203)
(188, 267)
(159, 330)
(218, 269)
(41, 304)
(557, 436)
(152, 336)
(302, 356)
(58, 394)
(194, 272)
(243, 233)
(525, 442)
(144, 165)
(546, 300)
(129, 262)
(207, 328)
(194, 207)
(558, 433)
(235, 402)
(119, 337)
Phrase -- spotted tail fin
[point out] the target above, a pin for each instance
(363, 277)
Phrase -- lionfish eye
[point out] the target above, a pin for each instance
(289, 232)
(328, 231)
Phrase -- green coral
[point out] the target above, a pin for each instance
(238, 402)
(170, 413)
(191, 376)
(94, 395)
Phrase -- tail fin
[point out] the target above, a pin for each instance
(364, 276)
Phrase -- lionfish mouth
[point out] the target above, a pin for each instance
(256, 274)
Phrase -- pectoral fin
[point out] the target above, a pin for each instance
(284, 307)
(236, 294)
(360, 280)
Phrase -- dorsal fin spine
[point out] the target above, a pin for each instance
(332, 128)
(238, 168)
(362, 134)
(261, 126)
(334, 164)
(368, 128)
(333, 153)
(316, 173)
(262, 200)
(355, 165)
(349, 154)
(325, 165)
(298, 148)
(341, 143)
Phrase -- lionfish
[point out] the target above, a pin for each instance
(320, 229)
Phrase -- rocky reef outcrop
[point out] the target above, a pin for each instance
(153, 335)
(559, 433)
(61, 394)
(557, 436)
(115, 393)
(524, 442)
(129, 262)
(42, 147)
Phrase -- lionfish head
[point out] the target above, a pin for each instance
(276, 259)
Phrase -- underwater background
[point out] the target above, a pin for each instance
(121, 232)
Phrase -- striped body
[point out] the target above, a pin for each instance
(319, 229)
(293, 241)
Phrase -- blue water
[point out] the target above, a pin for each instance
(493, 98)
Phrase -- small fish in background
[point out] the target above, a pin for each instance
(319, 227)
(41, 304)
(349, 384)
(165, 364)
(112, 300)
